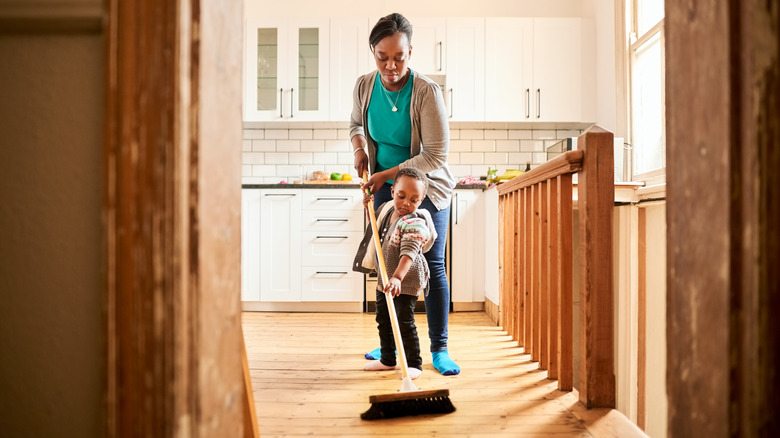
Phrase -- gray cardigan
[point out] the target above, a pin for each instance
(430, 133)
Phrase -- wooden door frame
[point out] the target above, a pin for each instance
(723, 252)
(172, 215)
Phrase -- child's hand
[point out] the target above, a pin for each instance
(393, 287)
(366, 197)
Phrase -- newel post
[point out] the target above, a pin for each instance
(596, 199)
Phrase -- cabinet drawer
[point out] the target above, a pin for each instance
(332, 199)
(329, 248)
(332, 220)
(331, 284)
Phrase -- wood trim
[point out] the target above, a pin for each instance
(47, 16)
(723, 292)
(641, 404)
(596, 205)
(174, 341)
(567, 162)
(527, 270)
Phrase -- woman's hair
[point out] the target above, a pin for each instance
(389, 26)
(412, 172)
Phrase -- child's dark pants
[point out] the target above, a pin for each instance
(404, 309)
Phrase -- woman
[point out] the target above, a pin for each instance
(399, 120)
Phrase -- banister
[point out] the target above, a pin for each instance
(535, 263)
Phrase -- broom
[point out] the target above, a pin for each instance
(409, 400)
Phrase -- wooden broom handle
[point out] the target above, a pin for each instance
(383, 273)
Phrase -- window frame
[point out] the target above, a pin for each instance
(633, 43)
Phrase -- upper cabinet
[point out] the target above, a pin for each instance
(286, 76)
(492, 69)
(350, 57)
(428, 45)
(549, 76)
(465, 93)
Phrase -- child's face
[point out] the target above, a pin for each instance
(408, 193)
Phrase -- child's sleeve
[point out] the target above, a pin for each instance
(414, 234)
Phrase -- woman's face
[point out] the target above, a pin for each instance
(391, 55)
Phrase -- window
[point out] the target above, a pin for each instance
(647, 136)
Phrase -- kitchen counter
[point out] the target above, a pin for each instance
(338, 186)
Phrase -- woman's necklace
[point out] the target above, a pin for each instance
(395, 108)
(396, 100)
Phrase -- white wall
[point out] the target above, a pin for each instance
(414, 8)
(51, 235)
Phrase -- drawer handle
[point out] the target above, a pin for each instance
(332, 237)
(333, 199)
(279, 194)
(332, 272)
(332, 220)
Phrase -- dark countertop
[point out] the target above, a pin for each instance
(338, 186)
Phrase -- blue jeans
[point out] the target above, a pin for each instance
(437, 300)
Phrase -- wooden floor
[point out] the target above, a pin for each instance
(307, 375)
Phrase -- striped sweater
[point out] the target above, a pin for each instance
(411, 235)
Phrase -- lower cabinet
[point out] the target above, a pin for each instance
(298, 245)
(473, 248)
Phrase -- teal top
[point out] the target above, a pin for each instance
(392, 130)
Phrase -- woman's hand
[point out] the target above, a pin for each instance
(377, 180)
(361, 161)
(393, 287)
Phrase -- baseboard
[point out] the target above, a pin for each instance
(468, 307)
(334, 307)
(492, 311)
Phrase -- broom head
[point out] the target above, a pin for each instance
(408, 403)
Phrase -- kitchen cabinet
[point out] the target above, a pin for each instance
(332, 227)
(465, 57)
(286, 70)
(428, 45)
(549, 77)
(297, 246)
(280, 245)
(350, 57)
(467, 248)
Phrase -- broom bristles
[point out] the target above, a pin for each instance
(408, 403)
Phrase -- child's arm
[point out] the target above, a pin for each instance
(393, 286)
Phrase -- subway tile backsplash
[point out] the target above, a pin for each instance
(278, 154)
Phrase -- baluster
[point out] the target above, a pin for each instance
(553, 216)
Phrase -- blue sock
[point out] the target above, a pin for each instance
(375, 354)
(443, 363)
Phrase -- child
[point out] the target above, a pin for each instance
(406, 233)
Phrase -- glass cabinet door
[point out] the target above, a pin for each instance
(286, 70)
(267, 68)
(308, 69)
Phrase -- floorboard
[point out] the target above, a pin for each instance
(306, 371)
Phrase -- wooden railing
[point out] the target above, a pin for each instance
(535, 247)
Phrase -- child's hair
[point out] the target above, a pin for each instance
(412, 172)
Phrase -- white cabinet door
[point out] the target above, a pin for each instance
(349, 58)
(280, 245)
(508, 69)
(465, 55)
(286, 74)
(465, 241)
(331, 284)
(428, 45)
(558, 72)
(250, 245)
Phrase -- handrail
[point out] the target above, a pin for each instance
(535, 263)
(568, 162)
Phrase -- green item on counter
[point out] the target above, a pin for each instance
(335, 176)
